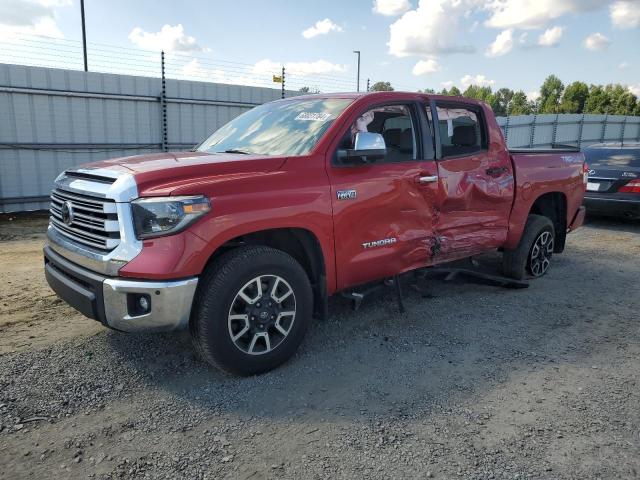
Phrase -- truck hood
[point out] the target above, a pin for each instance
(164, 173)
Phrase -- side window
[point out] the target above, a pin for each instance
(461, 130)
(396, 125)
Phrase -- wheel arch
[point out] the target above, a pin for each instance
(553, 205)
(302, 244)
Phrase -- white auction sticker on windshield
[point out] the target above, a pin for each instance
(314, 117)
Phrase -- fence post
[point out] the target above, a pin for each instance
(604, 128)
(533, 130)
(163, 106)
(368, 86)
(580, 128)
(555, 130)
(506, 131)
(283, 81)
(624, 127)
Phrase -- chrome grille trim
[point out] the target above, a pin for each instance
(101, 237)
(94, 225)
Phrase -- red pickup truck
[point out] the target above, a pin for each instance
(243, 239)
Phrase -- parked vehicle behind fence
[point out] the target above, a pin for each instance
(244, 239)
(614, 179)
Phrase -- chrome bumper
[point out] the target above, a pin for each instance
(169, 310)
(112, 300)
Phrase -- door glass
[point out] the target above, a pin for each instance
(396, 126)
(460, 131)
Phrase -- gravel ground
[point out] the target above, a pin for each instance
(473, 382)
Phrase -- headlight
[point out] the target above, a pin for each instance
(155, 217)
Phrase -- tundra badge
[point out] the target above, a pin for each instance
(380, 243)
(346, 194)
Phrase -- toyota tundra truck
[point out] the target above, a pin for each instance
(243, 239)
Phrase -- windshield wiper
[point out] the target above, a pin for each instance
(235, 150)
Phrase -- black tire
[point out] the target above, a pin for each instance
(518, 262)
(219, 298)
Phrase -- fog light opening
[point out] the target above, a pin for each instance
(138, 304)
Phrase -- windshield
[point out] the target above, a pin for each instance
(613, 157)
(291, 127)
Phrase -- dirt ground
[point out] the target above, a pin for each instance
(472, 382)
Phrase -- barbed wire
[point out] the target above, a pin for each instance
(36, 50)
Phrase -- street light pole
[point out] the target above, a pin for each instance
(84, 36)
(358, 53)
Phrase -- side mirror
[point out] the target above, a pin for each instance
(368, 147)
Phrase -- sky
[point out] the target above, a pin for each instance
(414, 44)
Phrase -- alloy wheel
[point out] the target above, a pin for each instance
(262, 314)
(541, 252)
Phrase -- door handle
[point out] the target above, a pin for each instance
(427, 179)
(495, 171)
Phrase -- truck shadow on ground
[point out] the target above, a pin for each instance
(465, 339)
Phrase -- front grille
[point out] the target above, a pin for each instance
(94, 223)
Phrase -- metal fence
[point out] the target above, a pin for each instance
(538, 131)
(53, 119)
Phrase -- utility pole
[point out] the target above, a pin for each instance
(358, 83)
(84, 36)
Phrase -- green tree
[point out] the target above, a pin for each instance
(427, 90)
(574, 98)
(598, 100)
(500, 101)
(623, 102)
(455, 91)
(381, 87)
(519, 104)
(479, 93)
(550, 94)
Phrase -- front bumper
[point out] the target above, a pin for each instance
(614, 205)
(113, 301)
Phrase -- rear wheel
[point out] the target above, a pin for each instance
(252, 310)
(534, 251)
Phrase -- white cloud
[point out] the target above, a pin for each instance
(391, 7)
(30, 17)
(533, 95)
(596, 42)
(635, 89)
(534, 13)
(625, 14)
(523, 37)
(270, 67)
(623, 65)
(448, 84)
(169, 38)
(501, 45)
(550, 37)
(424, 67)
(432, 28)
(479, 80)
(321, 27)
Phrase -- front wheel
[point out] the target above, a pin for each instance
(252, 310)
(534, 251)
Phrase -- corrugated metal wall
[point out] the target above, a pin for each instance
(539, 131)
(53, 119)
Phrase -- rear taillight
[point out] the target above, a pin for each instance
(632, 187)
(585, 173)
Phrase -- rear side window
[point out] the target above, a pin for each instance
(612, 157)
(461, 130)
